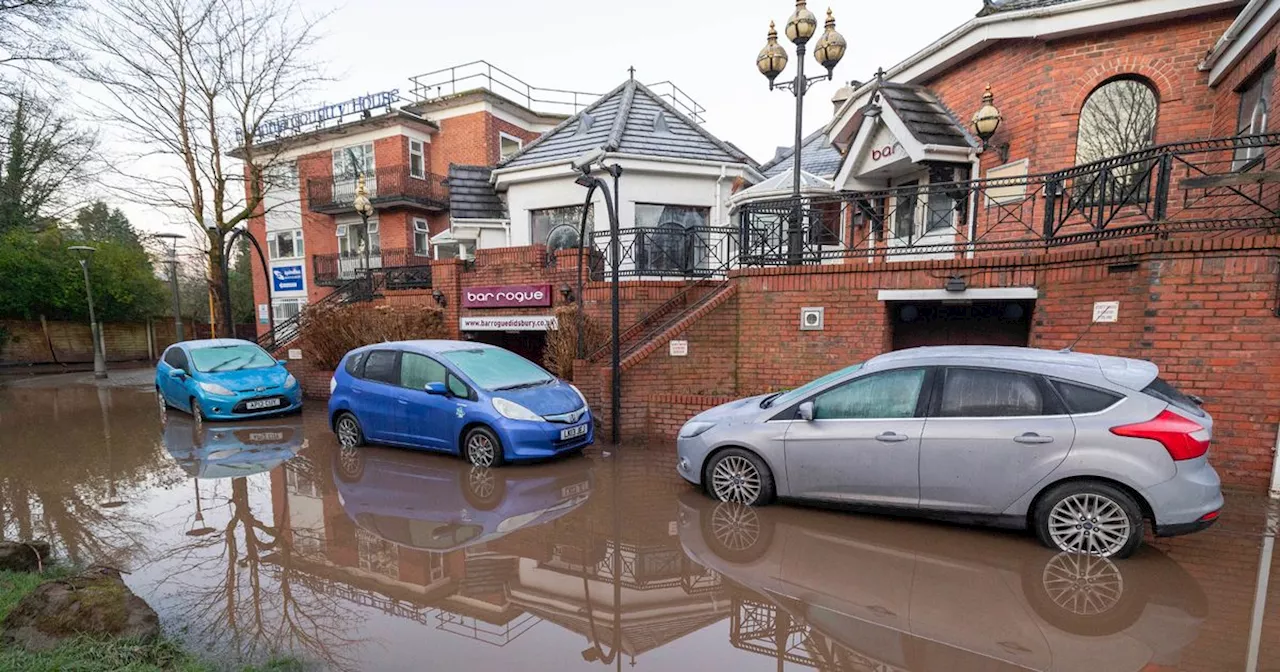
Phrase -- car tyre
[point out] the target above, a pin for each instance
(482, 448)
(197, 413)
(164, 406)
(347, 428)
(1089, 517)
(738, 475)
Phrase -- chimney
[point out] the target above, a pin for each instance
(843, 94)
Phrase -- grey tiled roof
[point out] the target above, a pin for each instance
(470, 194)
(817, 157)
(994, 6)
(929, 121)
(631, 119)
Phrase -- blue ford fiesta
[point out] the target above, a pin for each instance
(224, 379)
(482, 402)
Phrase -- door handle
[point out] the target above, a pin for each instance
(1033, 438)
(403, 401)
(890, 437)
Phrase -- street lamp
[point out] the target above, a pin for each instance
(173, 238)
(986, 121)
(84, 253)
(364, 208)
(771, 61)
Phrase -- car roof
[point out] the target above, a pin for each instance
(1132, 373)
(214, 343)
(429, 347)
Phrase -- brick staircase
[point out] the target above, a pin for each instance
(644, 330)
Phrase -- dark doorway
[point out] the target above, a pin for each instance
(917, 323)
(527, 344)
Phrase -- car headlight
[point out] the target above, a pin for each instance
(214, 388)
(512, 410)
(290, 382)
(333, 385)
(692, 429)
(581, 396)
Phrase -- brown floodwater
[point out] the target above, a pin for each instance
(264, 538)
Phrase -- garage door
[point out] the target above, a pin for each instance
(918, 323)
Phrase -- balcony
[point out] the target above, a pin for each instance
(402, 268)
(389, 187)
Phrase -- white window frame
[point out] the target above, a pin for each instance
(421, 154)
(273, 252)
(421, 228)
(277, 304)
(339, 160)
(507, 136)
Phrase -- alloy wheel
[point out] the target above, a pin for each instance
(736, 479)
(480, 451)
(736, 527)
(1083, 585)
(1089, 523)
(348, 432)
(164, 407)
(197, 414)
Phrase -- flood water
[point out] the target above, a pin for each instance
(261, 538)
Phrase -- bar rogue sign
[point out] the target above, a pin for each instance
(509, 296)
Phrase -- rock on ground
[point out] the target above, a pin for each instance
(95, 603)
(23, 556)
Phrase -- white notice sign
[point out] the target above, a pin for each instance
(679, 348)
(1106, 311)
(510, 323)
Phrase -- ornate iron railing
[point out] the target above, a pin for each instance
(668, 251)
(285, 332)
(337, 269)
(1206, 187)
(388, 186)
(407, 277)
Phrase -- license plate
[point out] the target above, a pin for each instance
(575, 489)
(261, 403)
(265, 437)
(573, 432)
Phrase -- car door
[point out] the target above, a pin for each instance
(373, 395)
(863, 445)
(991, 435)
(423, 419)
(178, 388)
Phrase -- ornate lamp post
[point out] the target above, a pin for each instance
(771, 61)
(173, 238)
(364, 208)
(84, 254)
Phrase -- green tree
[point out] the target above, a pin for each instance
(43, 158)
(99, 222)
(241, 278)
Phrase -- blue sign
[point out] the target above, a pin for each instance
(324, 115)
(286, 279)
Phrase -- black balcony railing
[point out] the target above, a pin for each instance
(332, 270)
(669, 251)
(390, 186)
(1198, 188)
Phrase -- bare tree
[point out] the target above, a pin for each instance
(191, 82)
(44, 159)
(29, 39)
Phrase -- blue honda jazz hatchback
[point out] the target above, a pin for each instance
(482, 402)
(224, 379)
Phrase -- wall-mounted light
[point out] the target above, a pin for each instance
(441, 299)
(955, 283)
(566, 293)
(986, 121)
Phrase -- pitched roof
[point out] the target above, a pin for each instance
(817, 157)
(994, 6)
(470, 194)
(928, 120)
(631, 119)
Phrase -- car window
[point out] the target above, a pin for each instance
(892, 394)
(792, 396)
(233, 357)
(1081, 399)
(353, 364)
(458, 388)
(989, 393)
(176, 358)
(1162, 390)
(380, 366)
(497, 369)
(418, 370)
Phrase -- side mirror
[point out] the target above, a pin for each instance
(436, 388)
(177, 373)
(282, 362)
(806, 411)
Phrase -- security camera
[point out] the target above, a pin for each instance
(584, 162)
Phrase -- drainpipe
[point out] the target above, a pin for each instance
(975, 173)
(1260, 590)
(1275, 466)
(718, 202)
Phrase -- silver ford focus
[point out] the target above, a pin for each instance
(1083, 449)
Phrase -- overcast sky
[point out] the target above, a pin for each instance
(707, 47)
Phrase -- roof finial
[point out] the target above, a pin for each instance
(632, 71)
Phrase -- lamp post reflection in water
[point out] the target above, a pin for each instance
(201, 529)
(104, 403)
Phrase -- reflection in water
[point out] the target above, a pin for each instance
(261, 538)
(842, 592)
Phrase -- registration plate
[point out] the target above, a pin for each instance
(573, 432)
(266, 437)
(575, 489)
(258, 404)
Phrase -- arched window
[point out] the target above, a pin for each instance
(1119, 117)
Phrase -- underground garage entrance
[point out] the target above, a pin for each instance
(960, 322)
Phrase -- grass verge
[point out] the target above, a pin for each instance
(89, 655)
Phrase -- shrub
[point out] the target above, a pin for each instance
(562, 344)
(329, 331)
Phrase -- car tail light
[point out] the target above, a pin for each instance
(1173, 431)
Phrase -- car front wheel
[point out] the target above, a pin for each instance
(348, 430)
(737, 475)
(482, 448)
(1091, 518)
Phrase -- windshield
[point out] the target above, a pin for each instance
(788, 398)
(498, 369)
(235, 357)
